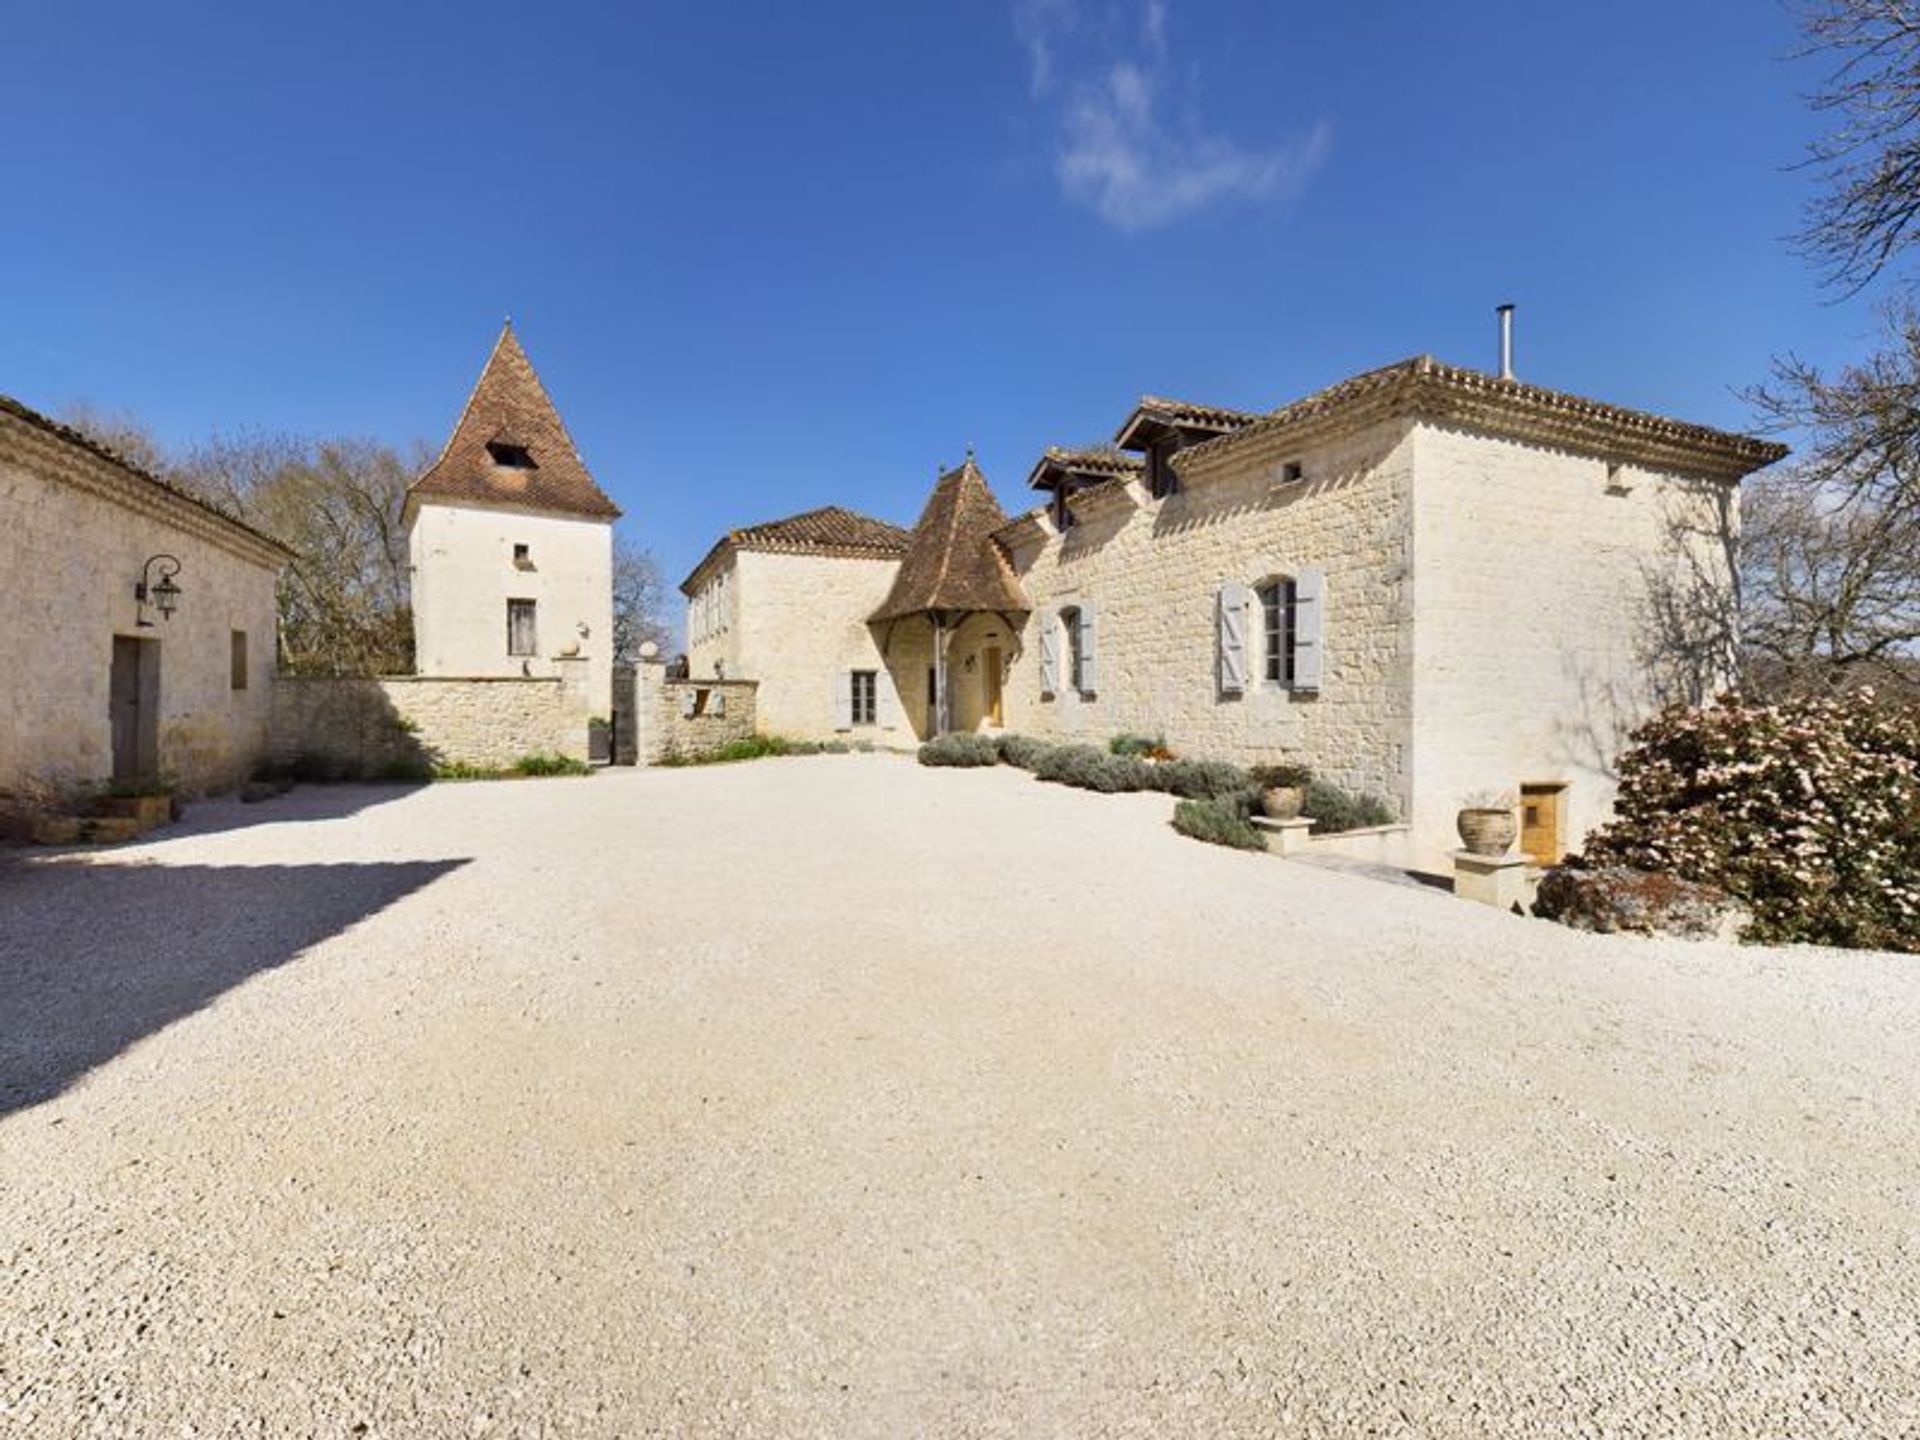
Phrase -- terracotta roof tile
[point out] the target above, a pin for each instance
(829, 530)
(510, 417)
(1156, 411)
(1100, 461)
(1434, 390)
(86, 442)
(953, 563)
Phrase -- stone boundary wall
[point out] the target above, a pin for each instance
(683, 718)
(394, 724)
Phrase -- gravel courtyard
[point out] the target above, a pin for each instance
(840, 1097)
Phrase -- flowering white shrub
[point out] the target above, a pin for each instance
(1808, 811)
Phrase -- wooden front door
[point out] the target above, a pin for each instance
(133, 708)
(991, 663)
(1540, 822)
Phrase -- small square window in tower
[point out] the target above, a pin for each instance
(509, 456)
(522, 557)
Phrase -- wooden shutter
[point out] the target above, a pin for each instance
(719, 707)
(688, 700)
(885, 698)
(843, 700)
(1088, 684)
(1049, 656)
(1309, 629)
(1233, 639)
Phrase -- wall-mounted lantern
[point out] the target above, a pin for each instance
(162, 594)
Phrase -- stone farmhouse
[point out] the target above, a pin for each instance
(511, 541)
(1425, 582)
(141, 636)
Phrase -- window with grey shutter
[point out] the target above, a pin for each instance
(1276, 631)
(1049, 657)
(1084, 680)
(863, 706)
(1233, 639)
(843, 700)
(1309, 629)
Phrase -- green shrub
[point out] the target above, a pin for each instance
(960, 750)
(1807, 812)
(1086, 768)
(551, 765)
(464, 770)
(311, 769)
(1333, 810)
(1281, 777)
(1024, 752)
(407, 769)
(1218, 822)
(1138, 745)
(755, 747)
(1200, 779)
(145, 789)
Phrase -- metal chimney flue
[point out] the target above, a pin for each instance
(1506, 341)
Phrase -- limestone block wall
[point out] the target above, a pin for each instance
(75, 533)
(1153, 569)
(684, 718)
(799, 624)
(375, 726)
(1561, 599)
(464, 574)
(713, 622)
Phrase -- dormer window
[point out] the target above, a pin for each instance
(1291, 472)
(1161, 479)
(509, 456)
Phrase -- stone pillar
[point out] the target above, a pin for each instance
(649, 734)
(1284, 837)
(576, 703)
(1498, 880)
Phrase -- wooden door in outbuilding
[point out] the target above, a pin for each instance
(1540, 823)
(133, 707)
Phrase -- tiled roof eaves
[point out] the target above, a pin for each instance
(212, 517)
(1430, 390)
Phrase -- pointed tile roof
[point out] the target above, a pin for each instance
(510, 447)
(953, 562)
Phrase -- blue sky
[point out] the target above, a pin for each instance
(771, 256)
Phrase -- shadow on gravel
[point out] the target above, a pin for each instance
(302, 803)
(95, 957)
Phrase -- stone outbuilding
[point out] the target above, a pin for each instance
(511, 541)
(786, 603)
(1428, 583)
(140, 636)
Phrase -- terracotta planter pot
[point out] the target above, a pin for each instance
(1282, 802)
(1488, 832)
(148, 810)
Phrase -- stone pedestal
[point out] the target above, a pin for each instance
(1498, 880)
(1284, 837)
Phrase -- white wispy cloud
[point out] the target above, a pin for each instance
(1106, 74)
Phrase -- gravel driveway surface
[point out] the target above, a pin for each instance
(839, 1097)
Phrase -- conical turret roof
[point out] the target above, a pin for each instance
(953, 562)
(510, 447)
